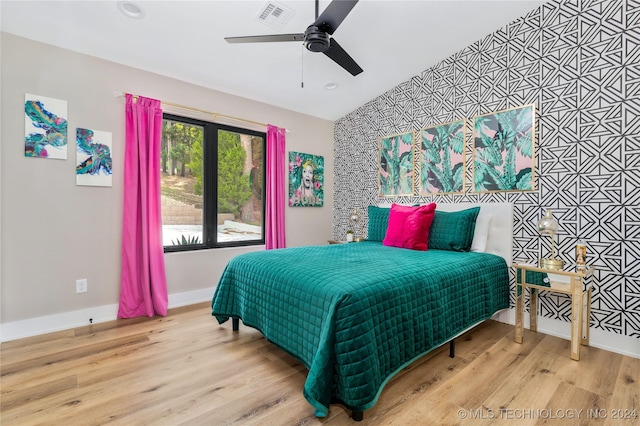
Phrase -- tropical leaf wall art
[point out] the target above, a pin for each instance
(442, 161)
(504, 150)
(395, 165)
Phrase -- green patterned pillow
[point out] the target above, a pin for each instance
(453, 230)
(378, 221)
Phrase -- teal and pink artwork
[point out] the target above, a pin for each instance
(93, 157)
(442, 161)
(45, 127)
(395, 165)
(306, 180)
(504, 150)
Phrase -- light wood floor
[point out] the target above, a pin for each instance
(186, 369)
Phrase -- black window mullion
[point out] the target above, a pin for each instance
(211, 184)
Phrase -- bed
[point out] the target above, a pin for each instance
(356, 314)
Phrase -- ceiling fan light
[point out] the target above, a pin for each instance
(131, 9)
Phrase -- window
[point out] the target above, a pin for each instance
(212, 185)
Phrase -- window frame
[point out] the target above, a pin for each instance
(210, 184)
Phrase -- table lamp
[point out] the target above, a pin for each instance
(355, 218)
(549, 225)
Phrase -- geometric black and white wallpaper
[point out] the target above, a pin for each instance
(579, 63)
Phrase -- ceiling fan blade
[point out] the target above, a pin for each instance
(266, 38)
(342, 58)
(334, 14)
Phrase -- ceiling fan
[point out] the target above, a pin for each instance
(317, 36)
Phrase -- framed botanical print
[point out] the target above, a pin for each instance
(395, 165)
(504, 150)
(442, 159)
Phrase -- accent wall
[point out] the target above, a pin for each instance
(579, 63)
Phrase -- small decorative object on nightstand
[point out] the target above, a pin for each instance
(349, 236)
(576, 283)
(581, 255)
(549, 225)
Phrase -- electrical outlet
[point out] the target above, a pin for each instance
(81, 286)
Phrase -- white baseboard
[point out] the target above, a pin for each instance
(190, 297)
(612, 342)
(66, 320)
(625, 345)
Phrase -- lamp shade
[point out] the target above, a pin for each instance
(355, 217)
(548, 224)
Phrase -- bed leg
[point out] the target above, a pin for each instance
(357, 416)
(235, 324)
(452, 348)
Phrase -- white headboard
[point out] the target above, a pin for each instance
(500, 236)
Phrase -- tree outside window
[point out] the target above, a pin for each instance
(212, 185)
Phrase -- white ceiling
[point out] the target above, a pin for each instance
(391, 40)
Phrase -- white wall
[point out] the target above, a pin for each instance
(54, 232)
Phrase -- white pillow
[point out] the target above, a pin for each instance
(481, 232)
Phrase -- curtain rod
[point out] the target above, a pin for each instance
(214, 114)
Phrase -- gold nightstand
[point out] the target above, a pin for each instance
(576, 283)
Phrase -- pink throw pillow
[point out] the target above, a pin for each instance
(409, 226)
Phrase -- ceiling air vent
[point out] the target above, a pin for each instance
(274, 15)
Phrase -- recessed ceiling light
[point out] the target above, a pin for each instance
(330, 86)
(131, 9)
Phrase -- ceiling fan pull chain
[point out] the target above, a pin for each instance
(302, 67)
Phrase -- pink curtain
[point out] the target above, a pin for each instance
(276, 189)
(143, 286)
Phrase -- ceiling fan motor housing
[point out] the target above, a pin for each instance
(316, 40)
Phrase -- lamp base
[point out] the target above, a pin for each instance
(552, 263)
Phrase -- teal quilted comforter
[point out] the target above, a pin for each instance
(356, 314)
